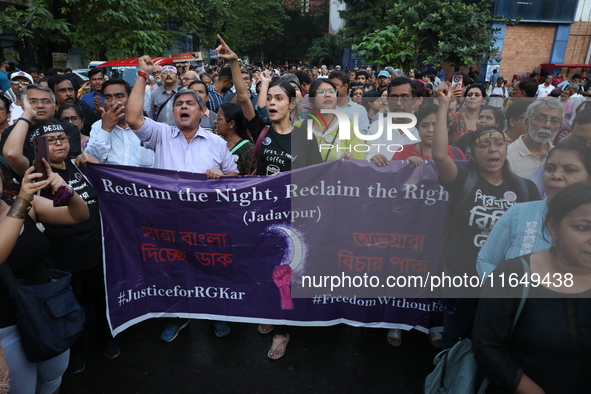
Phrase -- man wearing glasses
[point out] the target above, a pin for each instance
(160, 106)
(18, 81)
(16, 143)
(189, 77)
(542, 121)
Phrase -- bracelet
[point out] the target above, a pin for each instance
(26, 120)
(63, 196)
(143, 75)
(19, 209)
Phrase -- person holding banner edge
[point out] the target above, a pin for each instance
(183, 147)
(480, 193)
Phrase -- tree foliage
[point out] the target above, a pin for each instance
(36, 18)
(327, 49)
(409, 32)
(128, 28)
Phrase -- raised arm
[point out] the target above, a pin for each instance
(265, 81)
(447, 168)
(13, 147)
(134, 113)
(224, 52)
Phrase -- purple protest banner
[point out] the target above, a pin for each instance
(248, 249)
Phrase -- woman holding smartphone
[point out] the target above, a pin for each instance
(26, 250)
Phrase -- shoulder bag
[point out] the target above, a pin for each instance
(48, 317)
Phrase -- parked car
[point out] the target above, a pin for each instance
(127, 69)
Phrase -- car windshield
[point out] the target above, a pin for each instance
(127, 73)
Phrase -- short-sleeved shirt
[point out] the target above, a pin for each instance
(472, 222)
(522, 161)
(214, 99)
(77, 246)
(172, 151)
(283, 152)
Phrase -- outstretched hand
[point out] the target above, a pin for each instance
(224, 51)
(265, 76)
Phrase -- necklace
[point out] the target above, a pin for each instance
(498, 184)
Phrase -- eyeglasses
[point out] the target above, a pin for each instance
(61, 139)
(45, 101)
(168, 72)
(322, 92)
(24, 83)
(71, 119)
(542, 120)
(188, 79)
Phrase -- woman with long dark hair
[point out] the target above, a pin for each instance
(286, 148)
(231, 126)
(479, 193)
(549, 350)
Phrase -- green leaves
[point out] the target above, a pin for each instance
(400, 32)
(327, 49)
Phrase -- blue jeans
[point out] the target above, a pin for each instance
(27, 377)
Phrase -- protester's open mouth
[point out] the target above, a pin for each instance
(495, 160)
(272, 111)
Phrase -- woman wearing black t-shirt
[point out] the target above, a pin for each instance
(480, 194)
(77, 248)
(283, 148)
(25, 249)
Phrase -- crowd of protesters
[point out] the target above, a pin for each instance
(527, 144)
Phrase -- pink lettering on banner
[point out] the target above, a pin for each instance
(162, 255)
(382, 241)
(359, 263)
(212, 259)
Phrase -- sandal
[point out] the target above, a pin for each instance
(394, 337)
(265, 328)
(273, 354)
(436, 339)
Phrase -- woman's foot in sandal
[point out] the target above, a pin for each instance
(265, 328)
(278, 347)
(394, 337)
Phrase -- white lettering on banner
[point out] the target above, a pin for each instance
(392, 124)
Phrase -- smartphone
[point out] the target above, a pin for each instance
(456, 82)
(41, 149)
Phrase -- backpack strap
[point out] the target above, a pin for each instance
(522, 186)
(162, 107)
(466, 189)
(257, 147)
(234, 149)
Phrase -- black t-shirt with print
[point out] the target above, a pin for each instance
(471, 224)
(283, 152)
(78, 246)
